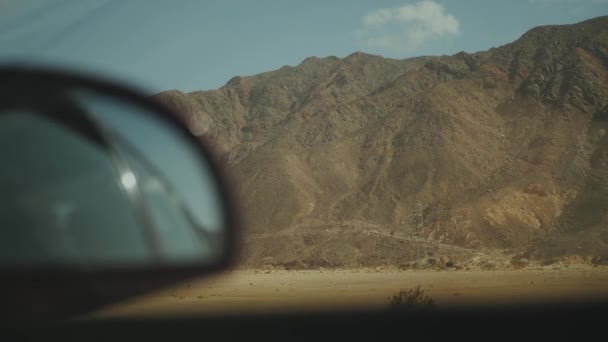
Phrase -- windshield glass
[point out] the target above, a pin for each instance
(385, 153)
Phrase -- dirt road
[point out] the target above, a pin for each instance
(264, 291)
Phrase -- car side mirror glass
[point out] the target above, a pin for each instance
(99, 179)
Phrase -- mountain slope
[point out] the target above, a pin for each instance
(363, 160)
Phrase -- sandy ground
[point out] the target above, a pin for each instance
(272, 291)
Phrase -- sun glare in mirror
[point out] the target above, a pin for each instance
(128, 180)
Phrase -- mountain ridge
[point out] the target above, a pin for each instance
(348, 161)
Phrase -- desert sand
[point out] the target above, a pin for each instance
(257, 291)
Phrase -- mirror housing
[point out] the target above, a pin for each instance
(42, 290)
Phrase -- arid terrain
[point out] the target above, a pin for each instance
(480, 177)
(259, 291)
(366, 161)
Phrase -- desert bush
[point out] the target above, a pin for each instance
(408, 299)
(549, 261)
(599, 260)
(519, 263)
(487, 265)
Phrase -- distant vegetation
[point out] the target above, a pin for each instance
(409, 299)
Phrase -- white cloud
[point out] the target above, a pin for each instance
(407, 28)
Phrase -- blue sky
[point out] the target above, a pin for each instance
(196, 44)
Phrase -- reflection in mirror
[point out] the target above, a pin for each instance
(128, 190)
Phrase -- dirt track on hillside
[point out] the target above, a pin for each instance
(284, 291)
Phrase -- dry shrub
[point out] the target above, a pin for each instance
(411, 299)
(599, 260)
(549, 261)
(519, 263)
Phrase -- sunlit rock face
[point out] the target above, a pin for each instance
(338, 161)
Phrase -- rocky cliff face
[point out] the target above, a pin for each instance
(360, 160)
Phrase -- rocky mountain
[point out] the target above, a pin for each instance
(364, 160)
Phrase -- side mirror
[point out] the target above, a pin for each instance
(105, 194)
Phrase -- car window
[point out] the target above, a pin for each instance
(387, 154)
